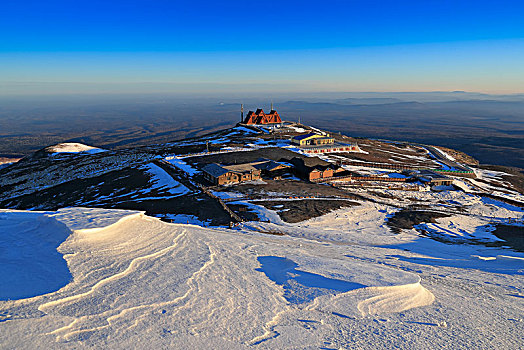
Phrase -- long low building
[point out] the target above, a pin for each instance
(330, 148)
(312, 139)
(313, 143)
(433, 179)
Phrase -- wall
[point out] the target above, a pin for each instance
(237, 178)
(313, 175)
(327, 173)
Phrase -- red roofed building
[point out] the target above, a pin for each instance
(259, 117)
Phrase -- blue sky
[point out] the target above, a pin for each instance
(149, 46)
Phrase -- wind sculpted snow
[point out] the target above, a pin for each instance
(301, 286)
(342, 280)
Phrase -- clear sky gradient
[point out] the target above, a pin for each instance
(209, 46)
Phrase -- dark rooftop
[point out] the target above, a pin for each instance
(215, 169)
(304, 136)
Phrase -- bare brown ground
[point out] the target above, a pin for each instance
(513, 235)
(460, 157)
(515, 175)
(407, 218)
(300, 210)
(289, 188)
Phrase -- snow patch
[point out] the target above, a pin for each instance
(72, 147)
(179, 163)
(163, 181)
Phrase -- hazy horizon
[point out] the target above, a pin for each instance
(39, 90)
(162, 70)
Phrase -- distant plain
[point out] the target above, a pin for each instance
(487, 127)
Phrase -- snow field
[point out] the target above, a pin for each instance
(179, 163)
(342, 280)
(133, 274)
(162, 181)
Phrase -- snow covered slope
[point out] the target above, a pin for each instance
(140, 282)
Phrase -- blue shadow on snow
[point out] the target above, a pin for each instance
(30, 264)
(300, 286)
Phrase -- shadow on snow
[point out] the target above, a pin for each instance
(301, 286)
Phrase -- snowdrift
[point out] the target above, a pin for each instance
(122, 279)
(132, 274)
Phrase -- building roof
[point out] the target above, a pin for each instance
(311, 163)
(269, 165)
(432, 175)
(240, 168)
(259, 117)
(215, 170)
(305, 136)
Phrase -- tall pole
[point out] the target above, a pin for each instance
(241, 112)
(271, 105)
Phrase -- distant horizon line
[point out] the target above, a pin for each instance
(227, 92)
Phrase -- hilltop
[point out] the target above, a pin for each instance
(261, 236)
(142, 178)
